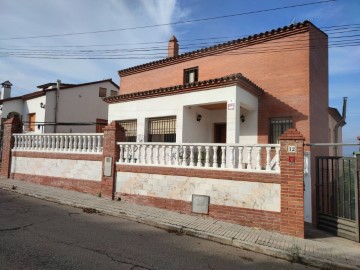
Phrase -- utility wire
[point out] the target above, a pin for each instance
(344, 29)
(294, 39)
(171, 23)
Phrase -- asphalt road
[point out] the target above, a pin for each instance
(36, 234)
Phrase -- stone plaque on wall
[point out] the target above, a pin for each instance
(200, 204)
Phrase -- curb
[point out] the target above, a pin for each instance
(172, 228)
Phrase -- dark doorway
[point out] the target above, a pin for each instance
(220, 133)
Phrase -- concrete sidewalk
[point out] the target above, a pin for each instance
(327, 253)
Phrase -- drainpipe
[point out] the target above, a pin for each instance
(58, 84)
(341, 123)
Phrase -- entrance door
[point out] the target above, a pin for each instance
(220, 133)
(219, 137)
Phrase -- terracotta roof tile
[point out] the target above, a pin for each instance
(196, 86)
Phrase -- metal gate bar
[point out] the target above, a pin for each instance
(337, 190)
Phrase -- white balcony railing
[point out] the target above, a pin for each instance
(60, 142)
(259, 157)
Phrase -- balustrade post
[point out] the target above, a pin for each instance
(178, 155)
(258, 158)
(207, 157)
(53, 142)
(99, 138)
(132, 156)
(151, 154)
(249, 162)
(61, 143)
(71, 143)
(192, 164)
(88, 143)
(215, 157)
(184, 156)
(277, 160)
(164, 154)
(126, 154)
(240, 164)
(268, 167)
(223, 158)
(199, 157)
(157, 154)
(93, 144)
(171, 162)
(66, 139)
(145, 153)
(139, 158)
(15, 142)
(121, 153)
(232, 159)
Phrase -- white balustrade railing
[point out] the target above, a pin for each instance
(259, 157)
(89, 143)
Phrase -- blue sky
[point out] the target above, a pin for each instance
(22, 18)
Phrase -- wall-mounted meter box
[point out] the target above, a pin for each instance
(108, 166)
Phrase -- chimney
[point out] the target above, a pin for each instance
(6, 90)
(173, 47)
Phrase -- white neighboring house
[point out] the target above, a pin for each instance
(73, 108)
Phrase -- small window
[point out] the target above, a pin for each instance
(162, 129)
(102, 92)
(130, 127)
(31, 121)
(191, 75)
(113, 93)
(277, 127)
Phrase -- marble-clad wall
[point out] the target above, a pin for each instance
(251, 195)
(65, 168)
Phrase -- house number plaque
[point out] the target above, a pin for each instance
(291, 149)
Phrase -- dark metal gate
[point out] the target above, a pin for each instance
(337, 190)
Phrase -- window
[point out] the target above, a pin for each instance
(277, 127)
(102, 92)
(191, 75)
(130, 127)
(162, 129)
(31, 121)
(113, 93)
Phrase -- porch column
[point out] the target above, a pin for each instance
(233, 120)
(141, 130)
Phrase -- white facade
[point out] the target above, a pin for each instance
(233, 100)
(77, 104)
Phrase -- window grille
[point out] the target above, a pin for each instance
(130, 127)
(113, 93)
(191, 75)
(277, 127)
(162, 129)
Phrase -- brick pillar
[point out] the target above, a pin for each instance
(292, 183)
(113, 133)
(11, 126)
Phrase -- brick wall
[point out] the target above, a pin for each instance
(11, 126)
(113, 133)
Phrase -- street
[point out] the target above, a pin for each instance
(36, 234)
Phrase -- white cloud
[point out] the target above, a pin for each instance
(37, 17)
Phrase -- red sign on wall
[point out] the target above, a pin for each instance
(292, 159)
